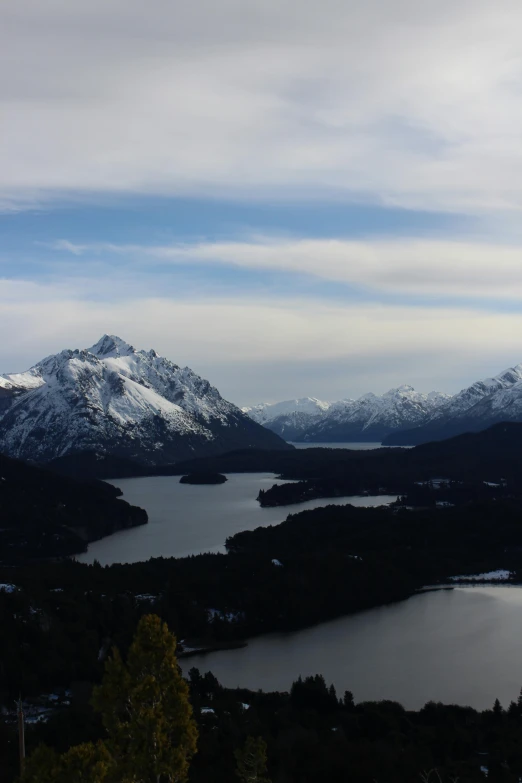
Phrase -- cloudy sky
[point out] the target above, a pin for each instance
(293, 198)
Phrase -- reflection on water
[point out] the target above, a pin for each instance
(460, 646)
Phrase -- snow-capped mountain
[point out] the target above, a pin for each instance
(479, 406)
(268, 411)
(372, 417)
(113, 399)
(369, 418)
(400, 417)
(288, 419)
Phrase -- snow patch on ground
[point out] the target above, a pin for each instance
(7, 588)
(229, 617)
(491, 576)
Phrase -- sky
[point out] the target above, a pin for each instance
(294, 199)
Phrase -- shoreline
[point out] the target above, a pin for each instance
(214, 647)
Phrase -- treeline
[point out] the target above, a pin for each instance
(467, 461)
(409, 492)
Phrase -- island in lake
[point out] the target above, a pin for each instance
(203, 478)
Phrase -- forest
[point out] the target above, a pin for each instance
(45, 515)
(205, 733)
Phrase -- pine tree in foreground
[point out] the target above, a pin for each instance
(144, 702)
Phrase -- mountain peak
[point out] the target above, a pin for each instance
(114, 400)
(110, 346)
(404, 389)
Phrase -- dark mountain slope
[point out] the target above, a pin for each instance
(91, 465)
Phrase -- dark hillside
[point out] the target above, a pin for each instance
(92, 465)
(43, 514)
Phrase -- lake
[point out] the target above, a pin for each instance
(187, 519)
(353, 446)
(460, 646)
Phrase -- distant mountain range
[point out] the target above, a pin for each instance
(481, 405)
(369, 418)
(402, 416)
(113, 399)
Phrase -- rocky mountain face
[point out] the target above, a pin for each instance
(475, 408)
(113, 399)
(369, 418)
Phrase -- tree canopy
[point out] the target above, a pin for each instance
(150, 732)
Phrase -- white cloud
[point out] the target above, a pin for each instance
(253, 350)
(427, 267)
(408, 102)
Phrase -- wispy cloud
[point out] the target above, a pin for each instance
(68, 247)
(427, 267)
(405, 103)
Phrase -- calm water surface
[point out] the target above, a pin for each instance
(459, 646)
(354, 446)
(187, 519)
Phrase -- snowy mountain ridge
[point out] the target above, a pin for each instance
(114, 399)
(401, 416)
(477, 407)
(267, 411)
(368, 418)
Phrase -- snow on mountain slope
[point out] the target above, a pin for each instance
(267, 411)
(371, 417)
(11, 386)
(466, 399)
(475, 408)
(21, 380)
(290, 418)
(114, 399)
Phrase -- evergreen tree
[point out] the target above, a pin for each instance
(146, 710)
(151, 734)
(519, 702)
(87, 763)
(513, 709)
(348, 702)
(251, 761)
(497, 709)
(41, 766)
